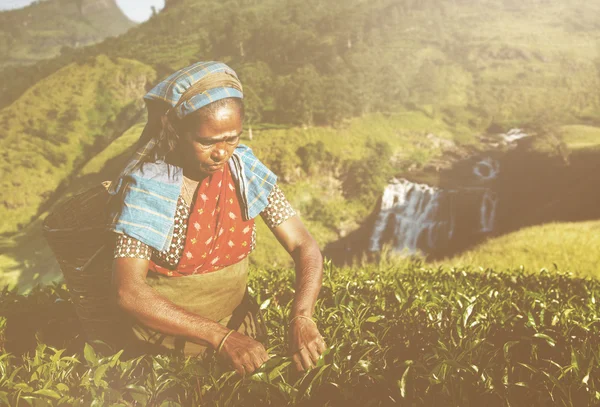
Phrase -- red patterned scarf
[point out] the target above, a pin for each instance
(217, 235)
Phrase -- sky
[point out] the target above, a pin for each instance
(136, 10)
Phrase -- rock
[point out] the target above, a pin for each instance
(513, 135)
(441, 143)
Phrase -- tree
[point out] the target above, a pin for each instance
(300, 96)
(257, 79)
(366, 178)
(315, 158)
(339, 99)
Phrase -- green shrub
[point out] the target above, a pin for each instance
(409, 336)
(365, 178)
(316, 158)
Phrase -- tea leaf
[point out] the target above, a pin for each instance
(90, 355)
(48, 393)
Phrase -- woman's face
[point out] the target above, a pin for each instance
(208, 144)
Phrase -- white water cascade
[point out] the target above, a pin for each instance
(488, 211)
(419, 218)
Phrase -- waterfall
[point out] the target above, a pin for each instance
(488, 211)
(419, 218)
(417, 212)
(422, 218)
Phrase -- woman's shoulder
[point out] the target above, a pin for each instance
(278, 209)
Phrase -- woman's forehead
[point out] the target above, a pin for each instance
(223, 122)
(226, 112)
(214, 114)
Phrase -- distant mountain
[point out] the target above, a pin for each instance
(42, 29)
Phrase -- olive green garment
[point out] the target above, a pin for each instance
(219, 296)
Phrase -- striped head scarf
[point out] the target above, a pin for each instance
(191, 88)
(182, 93)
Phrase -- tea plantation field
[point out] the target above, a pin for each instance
(397, 335)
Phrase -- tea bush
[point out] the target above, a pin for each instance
(409, 336)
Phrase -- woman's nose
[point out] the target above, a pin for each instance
(219, 153)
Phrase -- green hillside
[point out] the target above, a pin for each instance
(58, 124)
(471, 64)
(25, 258)
(580, 137)
(571, 246)
(314, 183)
(46, 28)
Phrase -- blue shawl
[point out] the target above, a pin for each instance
(147, 197)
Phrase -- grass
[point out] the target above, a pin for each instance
(404, 131)
(395, 335)
(572, 246)
(581, 137)
(115, 149)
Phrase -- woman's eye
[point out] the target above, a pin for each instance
(210, 143)
(205, 143)
(233, 140)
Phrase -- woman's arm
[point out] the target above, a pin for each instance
(306, 343)
(141, 301)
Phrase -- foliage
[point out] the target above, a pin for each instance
(50, 134)
(414, 336)
(25, 257)
(470, 64)
(366, 178)
(548, 137)
(407, 68)
(315, 158)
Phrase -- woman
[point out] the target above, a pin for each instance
(185, 226)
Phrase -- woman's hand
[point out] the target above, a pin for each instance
(243, 353)
(306, 343)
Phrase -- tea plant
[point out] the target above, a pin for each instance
(410, 336)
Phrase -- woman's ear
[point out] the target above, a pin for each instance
(170, 129)
(166, 125)
(168, 139)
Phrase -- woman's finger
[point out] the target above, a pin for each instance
(265, 357)
(306, 360)
(314, 352)
(296, 358)
(321, 345)
(249, 368)
(240, 370)
(259, 359)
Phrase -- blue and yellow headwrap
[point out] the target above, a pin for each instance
(191, 88)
